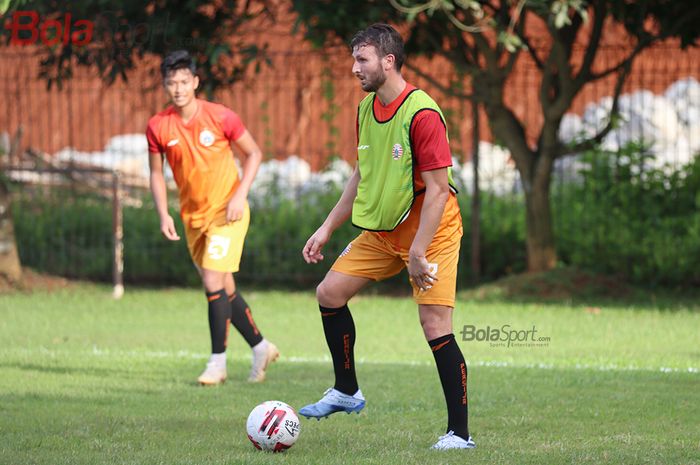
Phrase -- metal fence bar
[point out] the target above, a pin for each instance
(117, 236)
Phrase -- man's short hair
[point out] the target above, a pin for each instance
(179, 59)
(385, 39)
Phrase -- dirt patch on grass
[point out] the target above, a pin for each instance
(33, 281)
(555, 285)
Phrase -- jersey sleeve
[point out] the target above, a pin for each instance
(431, 150)
(232, 125)
(154, 145)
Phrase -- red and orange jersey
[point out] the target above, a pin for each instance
(431, 151)
(200, 156)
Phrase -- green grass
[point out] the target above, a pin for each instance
(88, 380)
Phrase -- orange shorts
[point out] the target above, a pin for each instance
(219, 246)
(372, 256)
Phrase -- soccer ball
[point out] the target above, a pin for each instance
(273, 426)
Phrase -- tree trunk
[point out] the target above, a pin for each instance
(9, 259)
(541, 249)
(535, 168)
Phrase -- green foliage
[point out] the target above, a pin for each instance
(279, 230)
(71, 236)
(436, 27)
(124, 32)
(64, 235)
(670, 19)
(502, 237)
(68, 235)
(453, 30)
(623, 217)
(631, 218)
(148, 257)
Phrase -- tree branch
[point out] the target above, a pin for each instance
(509, 130)
(642, 44)
(467, 49)
(531, 51)
(596, 76)
(599, 12)
(438, 85)
(597, 139)
(556, 100)
(513, 57)
(489, 54)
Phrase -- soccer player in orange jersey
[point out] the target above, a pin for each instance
(196, 137)
(401, 195)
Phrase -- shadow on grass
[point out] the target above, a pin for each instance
(72, 371)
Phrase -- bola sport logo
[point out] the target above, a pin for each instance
(396, 151)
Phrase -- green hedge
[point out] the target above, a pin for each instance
(621, 217)
(630, 218)
(61, 235)
(71, 235)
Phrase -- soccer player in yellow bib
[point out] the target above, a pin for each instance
(401, 195)
(196, 138)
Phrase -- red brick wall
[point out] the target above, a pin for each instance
(305, 104)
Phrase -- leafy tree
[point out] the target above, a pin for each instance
(112, 37)
(484, 39)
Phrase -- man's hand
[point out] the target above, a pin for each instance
(419, 271)
(167, 227)
(235, 207)
(312, 249)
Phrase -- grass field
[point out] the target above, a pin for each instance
(88, 380)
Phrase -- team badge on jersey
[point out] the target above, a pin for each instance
(206, 138)
(396, 151)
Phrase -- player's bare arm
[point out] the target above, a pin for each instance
(437, 191)
(252, 154)
(339, 215)
(160, 196)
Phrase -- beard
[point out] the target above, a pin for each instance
(373, 81)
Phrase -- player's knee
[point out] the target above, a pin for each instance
(430, 328)
(434, 325)
(212, 281)
(328, 296)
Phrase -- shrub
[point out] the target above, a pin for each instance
(623, 216)
(632, 218)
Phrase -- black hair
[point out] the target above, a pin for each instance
(385, 39)
(179, 59)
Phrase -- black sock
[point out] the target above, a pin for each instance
(340, 336)
(219, 315)
(453, 375)
(242, 320)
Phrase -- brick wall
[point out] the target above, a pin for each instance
(304, 104)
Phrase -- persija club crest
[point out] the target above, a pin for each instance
(206, 138)
(396, 151)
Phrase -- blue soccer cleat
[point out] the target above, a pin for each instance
(334, 401)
